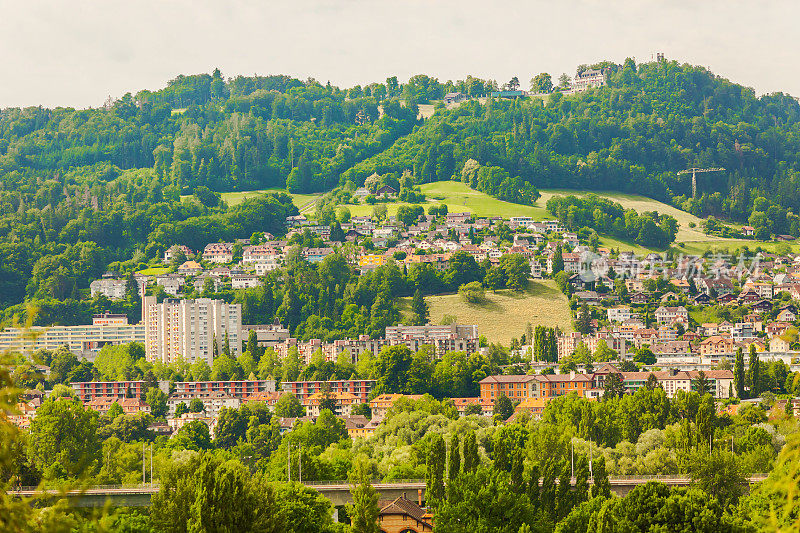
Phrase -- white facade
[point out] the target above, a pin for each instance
(188, 328)
(113, 289)
(81, 340)
(619, 314)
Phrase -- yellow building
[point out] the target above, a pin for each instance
(372, 260)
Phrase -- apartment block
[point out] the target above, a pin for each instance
(304, 389)
(83, 341)
(187, 329)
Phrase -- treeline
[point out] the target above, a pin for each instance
(605, 216)
(651, 121)
(58, 236)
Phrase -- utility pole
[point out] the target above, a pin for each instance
(693, 171)
(151, 463)
(300, 465)
(288, 462)
(144, 478)
(591, 471)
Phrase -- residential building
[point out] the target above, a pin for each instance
(343, 402)
(218, 252)
(303, 389)
(170, 253)
(382, 403)
(190, 268)
(171, 283)
(212, 404)
(187, 329)
(444, 338)
(113, 289)
(487, 406)
(454, 98)
(110, 319)
(86, 391)
(245, 281)
(83, 341)
(238, 389)
(266, 334)
(620, 313)
(130, 406)
(404, 516)
(717, 345)
(671, 315)
(588, 79)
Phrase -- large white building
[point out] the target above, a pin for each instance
(187, 329)
(83, 341)
(588, 79)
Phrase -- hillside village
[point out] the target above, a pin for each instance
(675, 320)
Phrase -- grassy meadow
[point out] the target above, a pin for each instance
(505, 312)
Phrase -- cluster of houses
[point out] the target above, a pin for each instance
(651, 309)
(241, 265)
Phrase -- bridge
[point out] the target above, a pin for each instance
(338, 492)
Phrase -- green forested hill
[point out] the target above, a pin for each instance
(80, 189)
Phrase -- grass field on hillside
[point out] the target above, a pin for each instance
(459, 197)
(300, 200)
(506, 312)
(154, 271)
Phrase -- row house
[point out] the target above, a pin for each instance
(218, 252)
(130, 406)
(458, 218)
(87, 391)
(462, 405)
(673, 347)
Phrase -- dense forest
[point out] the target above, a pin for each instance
(83, 188)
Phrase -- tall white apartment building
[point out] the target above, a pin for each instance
(187, 329)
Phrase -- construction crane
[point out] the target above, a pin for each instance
(694, 172)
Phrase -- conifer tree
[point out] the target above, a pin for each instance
(434, 483)
(471, 457)
(738, 373)
(755, 373)
(420, 309)
(454, 466)
(601, 487)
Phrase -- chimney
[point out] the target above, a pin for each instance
(419, 497)
(404, 496)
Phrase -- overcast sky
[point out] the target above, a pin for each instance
(78, 52)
